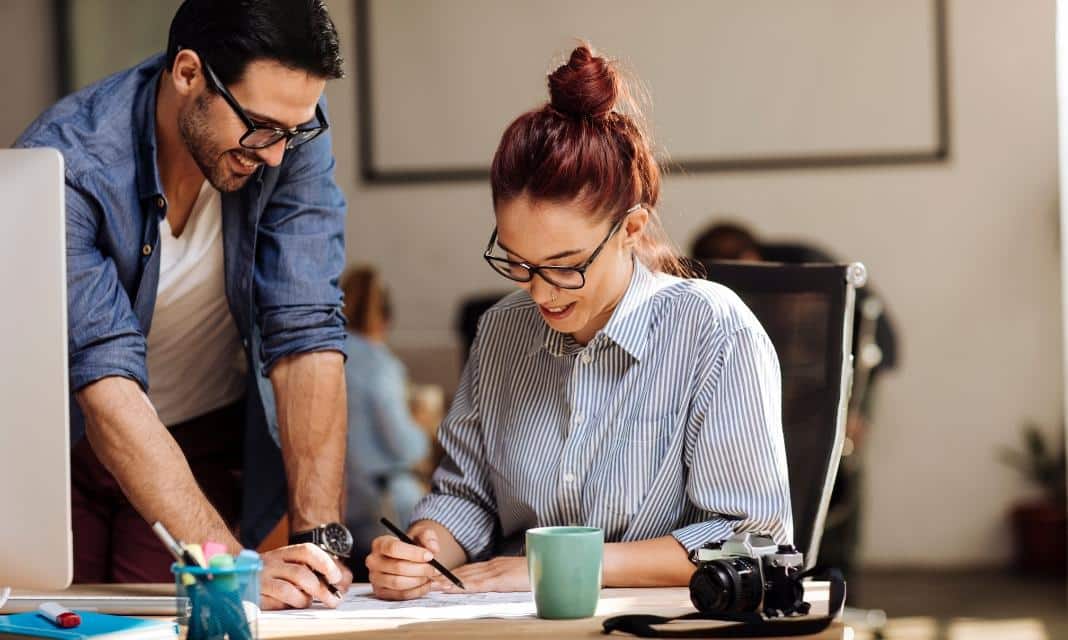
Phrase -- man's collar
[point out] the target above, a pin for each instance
(149, 186)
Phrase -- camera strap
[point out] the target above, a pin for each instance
(749, 625)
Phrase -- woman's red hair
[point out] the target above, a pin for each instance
(587, 145)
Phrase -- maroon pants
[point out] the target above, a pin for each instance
(112, 542)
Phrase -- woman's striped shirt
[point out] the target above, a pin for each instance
(668, 422)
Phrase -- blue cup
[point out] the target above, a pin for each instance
(219, 603)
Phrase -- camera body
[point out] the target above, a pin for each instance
(748, 573)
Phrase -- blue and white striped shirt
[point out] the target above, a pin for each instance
(668, 422)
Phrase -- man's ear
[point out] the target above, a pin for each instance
(634, 227)
(187, 73)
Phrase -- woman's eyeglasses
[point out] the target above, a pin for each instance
(563, 277)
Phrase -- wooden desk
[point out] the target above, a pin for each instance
(667, 602)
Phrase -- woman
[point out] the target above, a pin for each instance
(612, 391)
(384, 442)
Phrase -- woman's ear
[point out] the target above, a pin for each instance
(634, 227)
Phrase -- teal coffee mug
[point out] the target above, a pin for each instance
(565, 570)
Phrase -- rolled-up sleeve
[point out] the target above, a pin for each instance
(461, 498)
(104, 336)
(738, 478)
(299, 258)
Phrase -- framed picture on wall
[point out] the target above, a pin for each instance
(851, 82)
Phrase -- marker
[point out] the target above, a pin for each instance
(212, 549)
(59, 615)
(434, 563)
(197, 552)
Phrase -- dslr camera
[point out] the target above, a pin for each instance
(746, 574)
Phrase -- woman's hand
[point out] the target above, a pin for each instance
(399, 571)
(503, 573)
(287, 579)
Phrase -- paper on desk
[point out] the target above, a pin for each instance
(359, 603)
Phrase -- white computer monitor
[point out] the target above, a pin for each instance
(35, 527)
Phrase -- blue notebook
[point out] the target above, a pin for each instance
(98, 626)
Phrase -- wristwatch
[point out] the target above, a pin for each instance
(333, 538)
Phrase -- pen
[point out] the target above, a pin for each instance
(332, 588)
(434, 563)
(59, 615)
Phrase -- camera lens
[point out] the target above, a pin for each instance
(727, 585)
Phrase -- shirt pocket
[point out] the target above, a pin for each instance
(637, 457)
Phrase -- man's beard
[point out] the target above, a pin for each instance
(196, 134)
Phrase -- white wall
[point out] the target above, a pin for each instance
(965, 252)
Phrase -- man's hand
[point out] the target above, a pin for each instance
(288, 579)
(501, 574)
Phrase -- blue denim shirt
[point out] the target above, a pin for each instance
(283, 238)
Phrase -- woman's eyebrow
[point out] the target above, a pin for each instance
(555, 256)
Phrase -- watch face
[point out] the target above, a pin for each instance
(337, 539)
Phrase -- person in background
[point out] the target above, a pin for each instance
(385, 443)
(613, 389)
(876, 350)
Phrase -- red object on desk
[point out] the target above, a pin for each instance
(59, 615)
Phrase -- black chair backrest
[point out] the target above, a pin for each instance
(807, 311)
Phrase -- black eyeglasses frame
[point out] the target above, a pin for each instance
(294, 137)
(545, 272)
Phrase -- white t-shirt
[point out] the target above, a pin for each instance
(195, 359)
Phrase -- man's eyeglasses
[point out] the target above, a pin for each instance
(563, 277)
(261, 136)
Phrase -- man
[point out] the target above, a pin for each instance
(204, 243)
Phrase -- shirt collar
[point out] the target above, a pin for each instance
(628, 327)
(630, 322)
(149, 186)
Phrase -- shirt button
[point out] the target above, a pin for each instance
(578, 419)
(160, 202)
(569, 478)
(146, 250)
(586, 357)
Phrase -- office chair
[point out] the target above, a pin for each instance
(471, 309)
(807, 311)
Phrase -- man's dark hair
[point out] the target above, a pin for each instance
(229, 34)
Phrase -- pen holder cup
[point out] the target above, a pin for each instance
(219, 604)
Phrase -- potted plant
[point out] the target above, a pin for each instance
(1040, 534)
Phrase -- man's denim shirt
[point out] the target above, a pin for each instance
(283, 238)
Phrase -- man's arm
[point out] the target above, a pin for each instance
(300, 252)
(309, 391)
(132, 443)
(108, 374)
